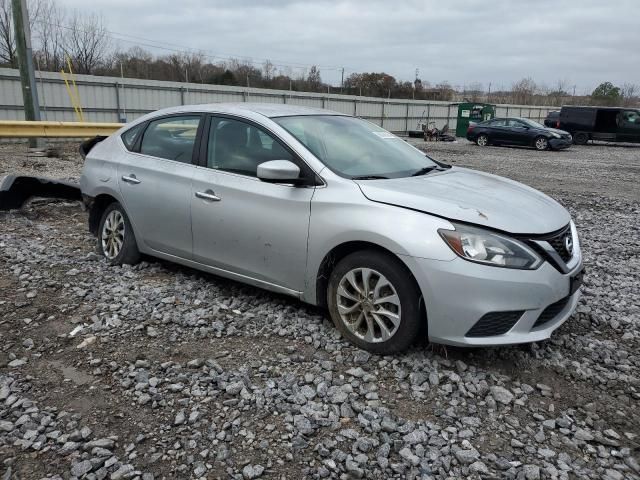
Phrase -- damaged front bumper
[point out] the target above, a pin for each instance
(15, 190)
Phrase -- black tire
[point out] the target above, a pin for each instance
(541, 143)
(580, 138)
(412, 317)
(128, 253)
(484, 142)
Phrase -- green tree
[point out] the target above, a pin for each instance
(606, 94)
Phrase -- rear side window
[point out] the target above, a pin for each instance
(130, 137)
(172, 138)
(501, 122)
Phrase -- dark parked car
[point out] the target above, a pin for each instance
(553, 119)
(608, 124)
(518, 131)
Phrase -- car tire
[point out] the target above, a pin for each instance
(580, 138)
(116, 240)
(541, 143)
(482, 140)
(355, 304)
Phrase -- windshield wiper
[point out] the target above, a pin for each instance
(370, 177)
(425, 170)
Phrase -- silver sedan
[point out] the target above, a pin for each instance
(339, 213)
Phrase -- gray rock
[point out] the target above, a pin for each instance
(81, 468)
(252, 471)
(467, 456)
(501, 394)
(531, 472)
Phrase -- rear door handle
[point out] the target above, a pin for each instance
(208, 195)
(131, 179)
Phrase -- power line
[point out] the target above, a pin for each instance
(177, 48)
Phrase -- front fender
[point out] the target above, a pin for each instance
(342, 214)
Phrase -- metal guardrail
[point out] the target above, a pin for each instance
(49, 129)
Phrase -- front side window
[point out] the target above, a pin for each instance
(355, 148)
(239, 147)
(172, 138)
(631, 118)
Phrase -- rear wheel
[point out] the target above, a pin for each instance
(116, 240)
(374, 302)
(580, 138)
(541, 143)
(482, 140)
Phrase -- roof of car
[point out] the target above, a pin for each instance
(270, 110)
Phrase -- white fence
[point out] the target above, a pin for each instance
(111, 99)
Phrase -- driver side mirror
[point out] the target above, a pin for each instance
(279, 171)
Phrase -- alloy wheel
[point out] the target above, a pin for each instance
(483, 140)
(112, 236)
(368, 305)
(541, 143)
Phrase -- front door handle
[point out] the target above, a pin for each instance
(130, 179)
(208, 195)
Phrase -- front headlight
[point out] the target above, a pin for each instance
(481, 246)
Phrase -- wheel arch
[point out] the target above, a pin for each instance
(339, 252)
(97, 207)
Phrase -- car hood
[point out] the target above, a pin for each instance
(473, 197)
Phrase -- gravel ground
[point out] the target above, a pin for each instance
(160, 371)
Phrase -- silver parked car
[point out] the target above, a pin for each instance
(340, 213)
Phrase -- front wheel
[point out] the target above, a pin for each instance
(482, 140)
(541, 143)
(374, 302)
(116, 240)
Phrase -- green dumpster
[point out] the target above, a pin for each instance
(473, 112)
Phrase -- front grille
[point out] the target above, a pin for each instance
(551, 312)
(494, 323)
(557, 241)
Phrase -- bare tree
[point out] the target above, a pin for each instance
(523, 91)
(48, 36)
(629, 93)
(86, 41)
(7, 40)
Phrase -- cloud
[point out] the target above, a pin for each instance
(583, 42)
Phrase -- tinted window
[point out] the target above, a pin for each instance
(130, 137)
(499, 122)
(239, 147)
(630, 118)
(172, 138)
(515, 123)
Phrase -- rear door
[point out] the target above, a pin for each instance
(155, 183)
(241, 224)
(498, 130)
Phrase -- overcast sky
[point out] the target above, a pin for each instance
(583, 42)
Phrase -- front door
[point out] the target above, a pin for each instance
(519, 132)
(628, 126)
(241, 224)
(155, 183)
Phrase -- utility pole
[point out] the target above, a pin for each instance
(342, 80)
(25, 64)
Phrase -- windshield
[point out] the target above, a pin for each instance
(531, 123)
(355, 148)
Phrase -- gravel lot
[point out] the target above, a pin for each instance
(159, 371)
